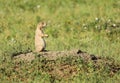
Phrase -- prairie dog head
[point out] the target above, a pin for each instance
(41, 25)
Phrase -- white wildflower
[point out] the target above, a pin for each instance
(114, 25)
(96, 26)
(109, 20)
(38, 6)
(96, 19)
(13, 40)
(85, 27)
(118, 38)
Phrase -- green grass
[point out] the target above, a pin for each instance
(84, 24)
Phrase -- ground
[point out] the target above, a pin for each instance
(63, 70)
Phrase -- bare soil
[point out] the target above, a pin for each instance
(53, 55)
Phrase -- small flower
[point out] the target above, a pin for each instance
(84, 25)
(114, 25)
(109, 20)
(96, 26)
(13, 40)
(38, 6)
(118, 38)
(96, 19)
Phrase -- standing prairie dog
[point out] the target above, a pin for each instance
(39, 37)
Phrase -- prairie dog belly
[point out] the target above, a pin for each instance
(39, 44)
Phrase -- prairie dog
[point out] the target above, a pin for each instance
(40, 43)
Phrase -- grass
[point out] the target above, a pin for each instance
(90, 25)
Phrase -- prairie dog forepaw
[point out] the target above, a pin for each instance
(45, 35)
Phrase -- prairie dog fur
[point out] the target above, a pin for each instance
(40, 43)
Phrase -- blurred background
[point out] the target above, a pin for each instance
(90, 25)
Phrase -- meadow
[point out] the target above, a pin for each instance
(90, 25)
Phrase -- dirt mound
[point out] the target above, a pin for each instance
(52, 55)
(27, 56)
